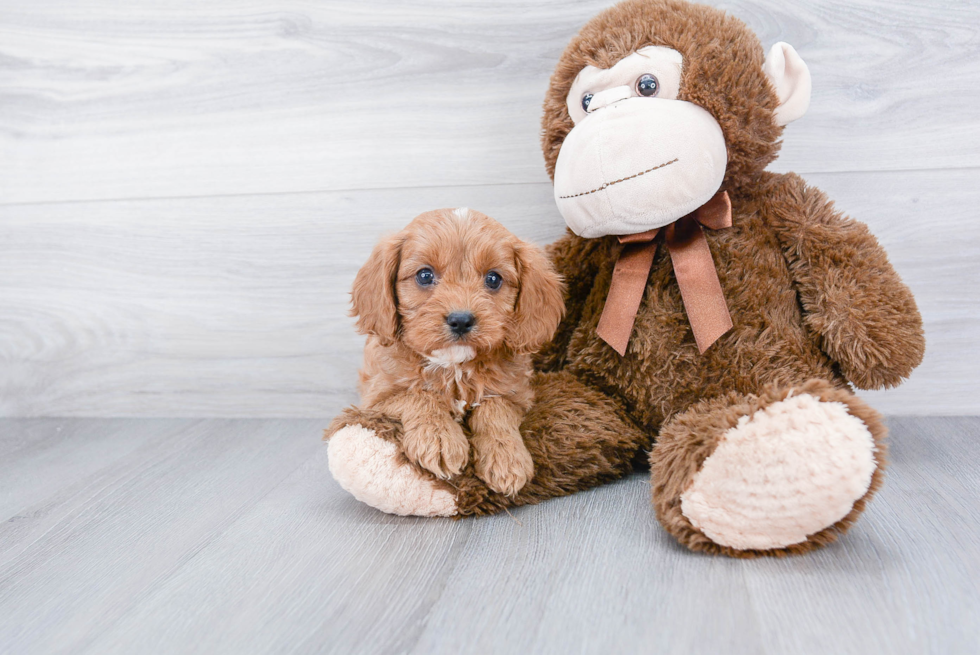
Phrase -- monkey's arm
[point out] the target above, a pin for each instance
(866, 318)
(577, 261)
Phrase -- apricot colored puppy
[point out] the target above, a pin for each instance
(454, 306)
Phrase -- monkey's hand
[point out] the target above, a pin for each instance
(866, 318)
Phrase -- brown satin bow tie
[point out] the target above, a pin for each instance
(694, 269)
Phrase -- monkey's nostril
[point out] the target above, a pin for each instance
(460, 322)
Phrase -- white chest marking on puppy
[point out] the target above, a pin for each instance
(451, 356)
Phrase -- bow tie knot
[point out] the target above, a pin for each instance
(694, 269)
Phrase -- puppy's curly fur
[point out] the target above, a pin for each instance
(441, 383)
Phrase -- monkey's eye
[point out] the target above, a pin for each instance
(493, 280)
(647, 85)
(586, 99)
(425, 277)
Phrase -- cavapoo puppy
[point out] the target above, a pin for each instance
(454, 306)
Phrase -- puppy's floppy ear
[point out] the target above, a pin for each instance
(540, 300)
(373, 298)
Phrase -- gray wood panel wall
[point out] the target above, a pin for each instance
(187, 188)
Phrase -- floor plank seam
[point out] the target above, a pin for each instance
(152, 588)
(93, 481)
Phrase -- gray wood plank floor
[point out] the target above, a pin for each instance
(229, 536)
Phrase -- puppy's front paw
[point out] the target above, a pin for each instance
(504, 464)
(440, 447)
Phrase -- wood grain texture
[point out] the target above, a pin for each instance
(237, 306)
(230, 537)
(78, 561)
(107, 99)
(51, 454)
(187, 189)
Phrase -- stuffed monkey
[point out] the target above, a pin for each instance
(717, 314)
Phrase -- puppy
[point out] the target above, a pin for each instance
(454, 305)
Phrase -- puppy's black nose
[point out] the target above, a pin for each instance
(460, 322)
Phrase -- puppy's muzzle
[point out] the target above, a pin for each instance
(460, 323)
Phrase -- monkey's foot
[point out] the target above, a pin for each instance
(374, 471)
(780, 476)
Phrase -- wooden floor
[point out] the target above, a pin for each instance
(229, 536)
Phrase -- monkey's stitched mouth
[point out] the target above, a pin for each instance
(606, 185)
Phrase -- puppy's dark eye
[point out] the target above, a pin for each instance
(647, 85)
(493, 280)
(586, 99)
(425, 277)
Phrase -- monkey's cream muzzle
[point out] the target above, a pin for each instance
(634, 164)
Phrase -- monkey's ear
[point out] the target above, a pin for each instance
(373, 298)
(540, 300)
(791, 78)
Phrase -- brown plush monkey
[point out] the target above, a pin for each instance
(717, 314)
